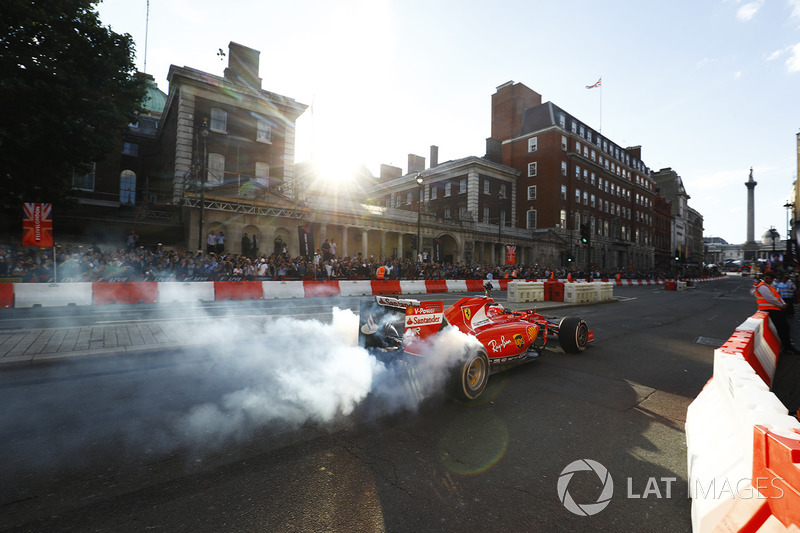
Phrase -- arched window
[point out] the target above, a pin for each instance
(127, 187)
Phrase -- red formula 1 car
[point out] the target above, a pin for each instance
(390, 328)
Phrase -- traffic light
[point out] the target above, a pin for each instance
(585, 235)
(677, 255)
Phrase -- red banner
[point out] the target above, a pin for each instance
(511, 255)
(37, 224)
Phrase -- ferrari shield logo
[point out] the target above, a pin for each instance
(519, 341)
(467, 314)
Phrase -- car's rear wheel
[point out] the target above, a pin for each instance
(573, 334)
(472, 375)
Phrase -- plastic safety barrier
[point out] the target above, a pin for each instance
(238, 290)
(52, 294)
(526, 291)
(743, 447)
(435, 285)
(185, 291)
(355, 288)
(314, 289)
(385, 286)
(283, 289)
(124, 292)
(580, 293)
(474, 285)
(6, 295)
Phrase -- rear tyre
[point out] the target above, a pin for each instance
(573, 334)
(471, 376)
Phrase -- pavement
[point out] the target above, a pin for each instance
(50, 344)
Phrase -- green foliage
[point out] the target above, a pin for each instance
(68, 88)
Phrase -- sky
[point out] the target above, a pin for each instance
(710, 88)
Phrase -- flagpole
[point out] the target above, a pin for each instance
(601, 107)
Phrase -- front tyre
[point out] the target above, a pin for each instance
(471, 376)
(573, 334)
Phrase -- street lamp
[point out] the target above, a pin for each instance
(419, 213)
(788, 206)
(203, 170)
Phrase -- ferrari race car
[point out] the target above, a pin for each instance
(394, 329)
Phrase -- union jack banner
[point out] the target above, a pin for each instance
(598, 84)
(511, 255)
(37, 224)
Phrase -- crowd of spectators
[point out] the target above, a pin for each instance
(131, 263)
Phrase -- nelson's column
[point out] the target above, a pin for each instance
(750, 246)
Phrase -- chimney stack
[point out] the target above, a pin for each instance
(434, 156)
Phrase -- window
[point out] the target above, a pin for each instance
(577, 196)
(264, 133)
(448, 187)
(563, 142)
(577, 172)
(216, 169)
(486, 215)
(563, 218)
(533, 144)
(593, 203)
(462, 212)
(574, 127)
(262, 173)
(127, 187)
(409, 198)
(563, 192)
(563, 168)
(219, 120)
(130, 149)
(562, 120)
(585, 198)
(531, 218)
(532, 169)
(503, 190)
(462, 186)
(434, 192)
(532, 192)
(578, 147)
(84, 181)
(446, 212)
(485, 186)
(591, 179)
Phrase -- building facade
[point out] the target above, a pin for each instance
(572, 176)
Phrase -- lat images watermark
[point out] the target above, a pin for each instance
(658, 487)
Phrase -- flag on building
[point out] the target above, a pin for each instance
(511, 255)
(599, 82)
(37, 224)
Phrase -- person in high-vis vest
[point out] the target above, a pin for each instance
(381, 273)
(769, 300)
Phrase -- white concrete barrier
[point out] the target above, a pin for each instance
(185, 291)
(52, 294)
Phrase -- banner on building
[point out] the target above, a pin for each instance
(37, 224)
(511, 255)
(306, 237)
(438, 251)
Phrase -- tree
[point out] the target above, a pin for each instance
(68, 88)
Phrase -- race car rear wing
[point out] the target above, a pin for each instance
(387, 324)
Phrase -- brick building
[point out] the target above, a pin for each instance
(571, 175)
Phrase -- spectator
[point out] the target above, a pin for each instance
(245, 245)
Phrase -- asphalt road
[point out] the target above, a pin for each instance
(297, 431)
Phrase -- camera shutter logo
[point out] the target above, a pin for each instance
(585, 509)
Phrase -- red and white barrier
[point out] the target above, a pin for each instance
(743, 446)
(104, 293)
